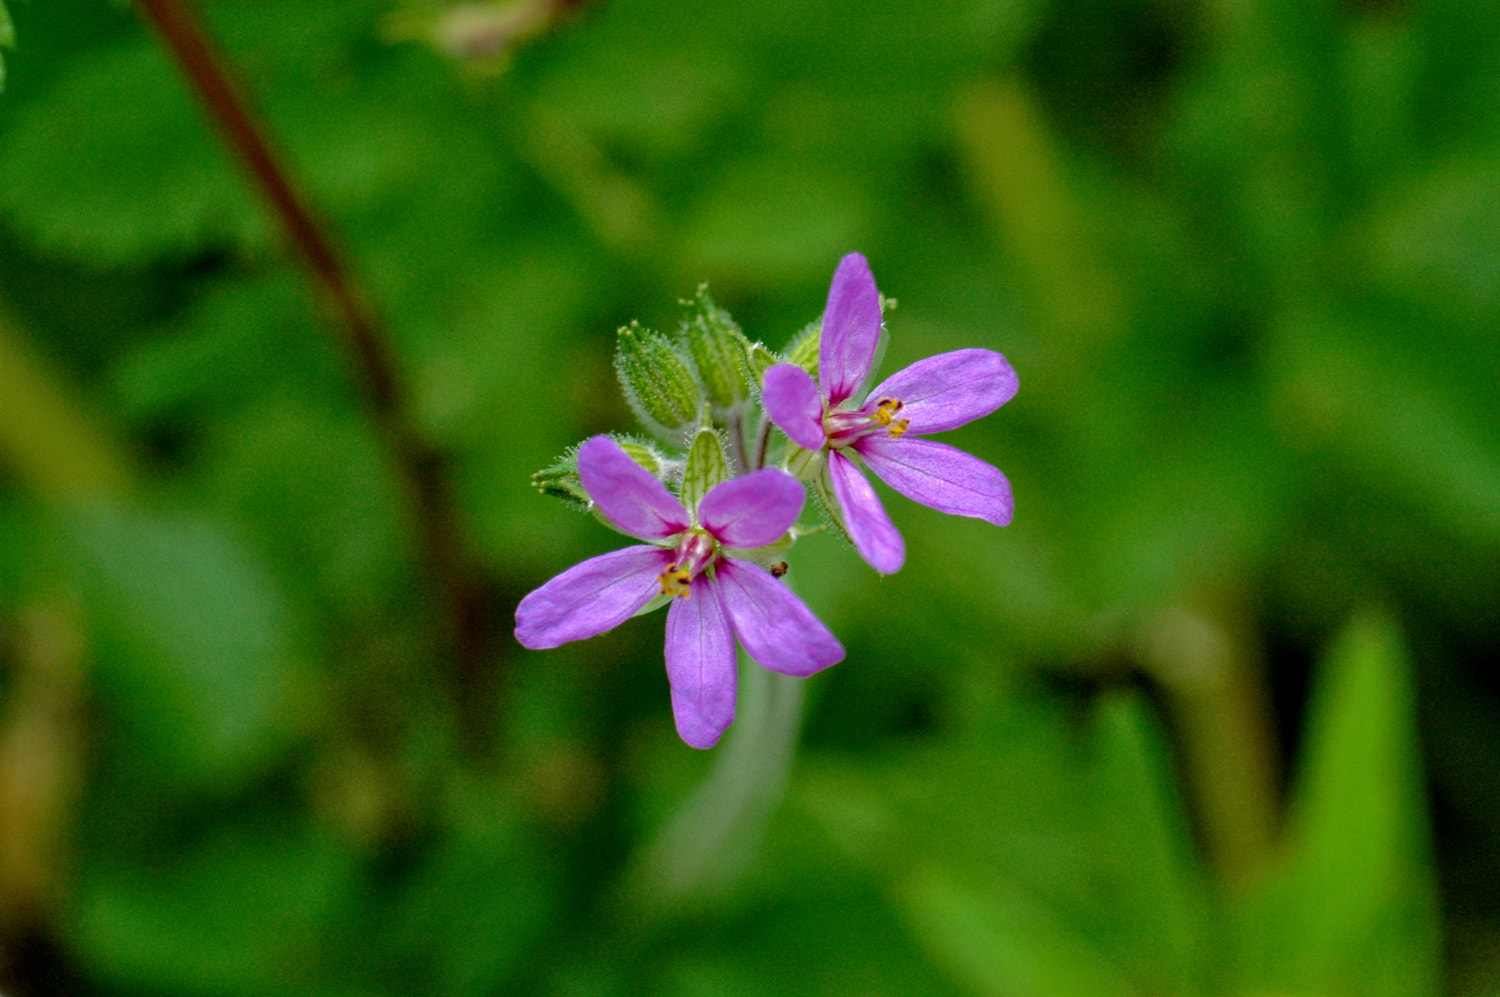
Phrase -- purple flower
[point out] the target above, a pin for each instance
(930, 396)
(694, 558)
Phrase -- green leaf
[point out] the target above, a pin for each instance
(481, 899)
(194, 647)
(706, 467)
(1353, 911)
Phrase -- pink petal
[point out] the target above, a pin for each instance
(941, 476)
(793, 402)
(950, 389)
(753, 510)
(700, 665)
(851, 329)
(874, 535)
(590, 598)
(774, 626)
(627, 493)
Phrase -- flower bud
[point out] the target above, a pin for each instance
(756, 360)
(645, 455)
(560, 479)
(658, 383)
(712, 341)
(803, 349)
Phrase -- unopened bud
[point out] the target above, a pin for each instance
(756, 360)
(657, 381)
(803, 349)
(712, 340)
(643, 454)
(560, 479)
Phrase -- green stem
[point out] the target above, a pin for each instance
(704, 847)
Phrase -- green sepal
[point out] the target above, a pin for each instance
(766, 556)
(653, 605)
(811, 466)
(706, 467)
(712, 339)
(833, 512)
(804, 465)
(658, 381)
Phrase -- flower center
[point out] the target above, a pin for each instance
(844, 428)
(695, 551)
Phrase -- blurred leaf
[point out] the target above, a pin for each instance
(1412, 417)
(480, 901)
(1353, 911)
(245, 911)
(1162, 909)
(1438, 237)
(317, 487)
(7, 39)
(195, 653)
(1021, 182)
(52, 445)
(75, 176)
(238, 341)
(1025, 864)
(1002, 942)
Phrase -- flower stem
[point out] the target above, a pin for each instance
(1219, 705)
(762, 439)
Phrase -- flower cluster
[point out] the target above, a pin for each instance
(714, 549)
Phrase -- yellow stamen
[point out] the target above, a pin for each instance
(886, 411)
(898, 427)
(674, 581)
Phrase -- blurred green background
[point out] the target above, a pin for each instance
(1216, 715)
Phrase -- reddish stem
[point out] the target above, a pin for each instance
(463, 603)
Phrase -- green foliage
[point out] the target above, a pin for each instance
(7, 40)
(1353, 910)
(74, 177)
